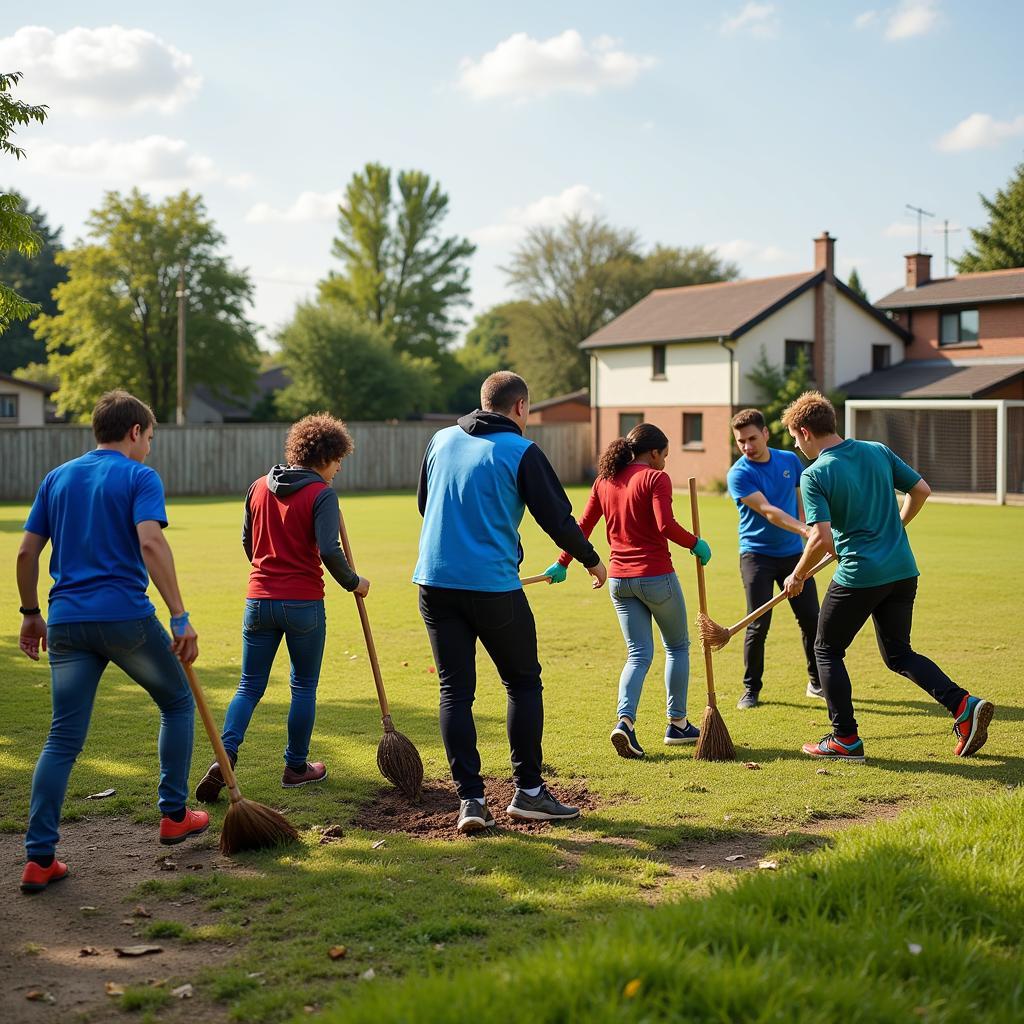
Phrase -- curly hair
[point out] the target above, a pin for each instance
(317, 440)
(644, 437)
(813, 411)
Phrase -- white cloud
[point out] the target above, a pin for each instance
(912, 18)
(980, 131)
(154, 161)
(101, 70)
(309, 206)
(865, 19)
(900, 229)
(524, 68)
(544, 212)
(757, 19)
(744, 249)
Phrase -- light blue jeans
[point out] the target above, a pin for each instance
(637, 601)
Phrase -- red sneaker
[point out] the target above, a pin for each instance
(835, 749)
(36, 878)
(193, 824)
(315, 772)
(970, 727)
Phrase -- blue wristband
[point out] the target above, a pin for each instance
(179, 623)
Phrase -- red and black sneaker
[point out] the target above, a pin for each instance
(849, 748)
(971, 725)
(193, 824)
(35, 878)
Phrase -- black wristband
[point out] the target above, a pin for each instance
(30, 611)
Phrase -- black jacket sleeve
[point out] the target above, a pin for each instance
(548, 504)
(325, 527)
(247, 526)
(421, 487)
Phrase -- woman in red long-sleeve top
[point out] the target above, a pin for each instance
(634, 495)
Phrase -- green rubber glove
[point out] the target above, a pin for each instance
(701, 550)
(556, 571)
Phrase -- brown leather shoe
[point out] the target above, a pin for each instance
(315, 772)
(212, 783)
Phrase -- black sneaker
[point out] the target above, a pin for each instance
(624, 741)
(542, 807)
(814, 690)
(474, 816)
(748, 700)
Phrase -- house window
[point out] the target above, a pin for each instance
(8, 407)
(793, 350)
(658, 362)
(693, 430)
(960, 328)
(628, 420)
(881, 356)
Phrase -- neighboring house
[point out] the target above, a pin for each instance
(680, 358)
(571, 408)
(206, 407)
(22, 402)
(967, 336)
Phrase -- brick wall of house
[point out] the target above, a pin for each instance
(564, 412)
(1000, 330)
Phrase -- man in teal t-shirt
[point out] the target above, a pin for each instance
(850, 504)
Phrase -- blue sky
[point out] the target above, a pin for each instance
(750, 126)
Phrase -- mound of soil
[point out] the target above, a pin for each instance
(434, 816)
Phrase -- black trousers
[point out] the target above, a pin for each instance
(760, 575)
(843, 612)
(455, 620)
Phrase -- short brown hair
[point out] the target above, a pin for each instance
(116, 413)
(317, 440)
(813, 411)
(502, 390)
(748, 418)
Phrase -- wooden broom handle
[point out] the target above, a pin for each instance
(226, 771)
(527, 580)
(371, 649)
(702, 595)
(777, 599)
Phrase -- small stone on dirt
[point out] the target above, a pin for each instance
(39, 996)
(141, 911)
(166, 864)
(137, 950)
(88, 951)
(182, 992)
(736, 856)
(113, 989)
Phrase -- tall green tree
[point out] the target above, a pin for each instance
(16, 233)
(117, 316)
(399, 270)
(341, 363)
(1000, 244)
(855, 285)
(34, 278)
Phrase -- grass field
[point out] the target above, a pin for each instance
(415, 906)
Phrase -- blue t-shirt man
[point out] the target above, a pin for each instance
(89, 509)
(777, 479)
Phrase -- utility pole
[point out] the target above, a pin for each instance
(920, 213)
(946, 230)
(182, 294)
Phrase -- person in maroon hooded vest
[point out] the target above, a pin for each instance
(290, 527)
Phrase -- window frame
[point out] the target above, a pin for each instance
(639, 419)
(875, 350)
(806, 346)
(657, 374)
(15, 397)
(693, 445)
(960, 340)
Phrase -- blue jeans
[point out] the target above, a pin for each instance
(304, 628)
(79, 652)
(637, 601)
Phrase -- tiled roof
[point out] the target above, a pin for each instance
(992, 286)
(582, 397)
(933, 378)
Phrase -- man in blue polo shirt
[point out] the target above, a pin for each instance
(765, 483)
(104, 516)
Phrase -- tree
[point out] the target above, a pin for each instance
(34, 278)
(399, 271)
(855, 286)
(341, 363)
(581, 274)
(1000, 245)
(16, 234)
(118, 310)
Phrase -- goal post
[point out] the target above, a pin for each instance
(971, 449)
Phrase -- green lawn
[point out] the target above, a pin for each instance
(414, 905)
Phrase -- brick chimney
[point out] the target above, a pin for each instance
(825, 254)
(919, 269)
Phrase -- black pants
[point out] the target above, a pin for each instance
(891, 606)
(760, 574)
(504, 624)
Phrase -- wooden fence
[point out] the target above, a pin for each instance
(225, 459)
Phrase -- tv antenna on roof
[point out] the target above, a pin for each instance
(920, 213)
(946, 230)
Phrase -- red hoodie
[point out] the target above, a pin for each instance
(637, 507)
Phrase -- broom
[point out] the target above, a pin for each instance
(397, 758)
(715, 637)
(715, 743)
(247, 824)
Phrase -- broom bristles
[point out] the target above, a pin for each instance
(400, 763)
(715, 743)
(712, 635)
(252, 826)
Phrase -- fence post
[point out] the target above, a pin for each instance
(1001, 452)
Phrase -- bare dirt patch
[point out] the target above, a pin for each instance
(434, 816)
(43, 936)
